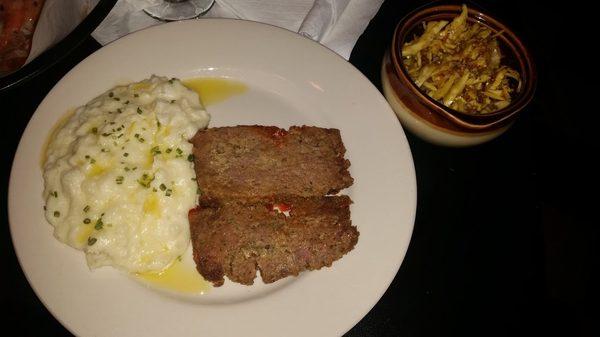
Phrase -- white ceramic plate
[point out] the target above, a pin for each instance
(291, 81)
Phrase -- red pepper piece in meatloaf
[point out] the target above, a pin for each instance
(237, 237)
(254, 161)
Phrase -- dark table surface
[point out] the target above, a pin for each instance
(503, 240)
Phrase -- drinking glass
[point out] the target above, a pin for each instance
(174, 10)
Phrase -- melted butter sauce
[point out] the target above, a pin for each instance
(214, 90)
(180, 277)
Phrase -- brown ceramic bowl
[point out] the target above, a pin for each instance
(515, 54)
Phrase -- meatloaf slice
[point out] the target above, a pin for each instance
(254, 161)
(236, 237)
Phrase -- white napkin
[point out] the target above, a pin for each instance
(336, 24)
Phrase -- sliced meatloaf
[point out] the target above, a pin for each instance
(251, 161)
(237, 237)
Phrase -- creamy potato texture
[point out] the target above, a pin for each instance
(119, 177)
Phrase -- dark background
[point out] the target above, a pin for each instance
(504, 242)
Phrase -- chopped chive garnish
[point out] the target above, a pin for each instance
(139, 111)
(95, 130)
(55, 194)
(155, 150)
(116, 98)
(91, 241)
(99, 224)
(119, 180)
(163, 187)
(86, 208)
(172, 101)
(87, 221)
(111, 94)
(136, 95)
(56, 214)
(92, 160)
(190, 158)
(145, 180)
(168, 150)
(168, 192)
(125, 154)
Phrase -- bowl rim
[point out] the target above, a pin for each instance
(469, 121)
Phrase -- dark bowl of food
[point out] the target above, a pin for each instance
(460, 70)
(21, 20)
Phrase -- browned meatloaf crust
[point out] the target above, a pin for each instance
(250, 161)
(235, 237)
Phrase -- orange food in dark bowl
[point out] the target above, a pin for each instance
(18, 19)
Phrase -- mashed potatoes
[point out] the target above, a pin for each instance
(119, 177)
